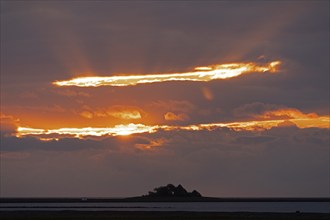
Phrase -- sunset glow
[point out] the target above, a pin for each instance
(89, 131)
(109, 99)
(123, 130)
(201, 74)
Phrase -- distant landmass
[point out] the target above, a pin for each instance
(171, 191)
(168, 193)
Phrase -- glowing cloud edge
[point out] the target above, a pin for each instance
(201, 74)
(128, 129)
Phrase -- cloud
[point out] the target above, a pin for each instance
(151, 143)
(14, 155)
(86, 132)
(207, 93)
(48, 41)
(86, 114)
(233, 160)
(8, 123)
(28, 144)
(286, 124)
(270, 111)
(248, 140)
(258, 124)
(71, 93)
(116, 111)
(286, 113)
(255, 108)
(7, 118)
(170, 116)
(200, 74)
(125, 114)
(173, 105)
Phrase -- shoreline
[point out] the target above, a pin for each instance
(16, 215)
(157, 199)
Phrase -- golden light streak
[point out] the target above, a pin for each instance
(88, 131)
(289, 113)
(201, 74)
(320, 122)
(123, 130)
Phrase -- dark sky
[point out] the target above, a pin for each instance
(46, 41)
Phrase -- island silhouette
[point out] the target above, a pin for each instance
(168, 193)
(171, 191)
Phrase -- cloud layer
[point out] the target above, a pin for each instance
(284, 161)
(253, 135)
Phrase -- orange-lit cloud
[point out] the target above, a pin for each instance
(170, 116)
(134, 114)
(8, 122)
(201, 74)
(120, 130)
(292, 115)
(86, 114)
(152, 144)
(5, 118)
(120, 112)
(288, 113)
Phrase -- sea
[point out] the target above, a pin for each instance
(274, 207)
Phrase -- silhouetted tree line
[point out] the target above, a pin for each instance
(171, 191)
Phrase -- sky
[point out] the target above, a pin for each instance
(115, 98)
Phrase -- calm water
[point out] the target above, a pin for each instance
(306, 207)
